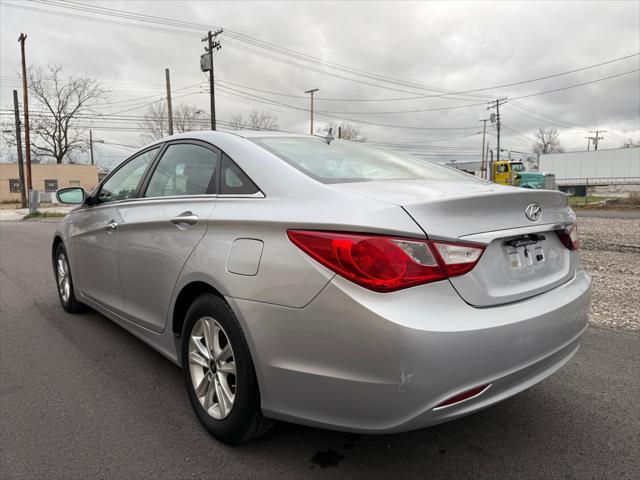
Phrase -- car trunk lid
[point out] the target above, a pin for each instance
(522, 257)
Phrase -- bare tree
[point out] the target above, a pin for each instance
(63, 102)
(185, 118)
(348, 131)
(263, 120)
(547, 141)
(155, 123)
(8, 134)
(237, 122)
(258, 120)
(8, 138)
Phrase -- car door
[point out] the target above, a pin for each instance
(163, 227)
(95, 232)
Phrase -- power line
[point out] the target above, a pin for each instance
(493, 87)
(147, 97)
(240, 37)
(413, 143)
(518, 133)
(366, 122)
(577, 85)
(457, 106)
(450, 107)
(305, 57)
(538, 114)
(264, 54)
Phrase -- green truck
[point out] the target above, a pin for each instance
(513, 173)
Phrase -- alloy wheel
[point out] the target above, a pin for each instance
(212, 367)
(64, 282)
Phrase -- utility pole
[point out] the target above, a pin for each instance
(91, 146)
(597, 137)
(496, 118)
(588, 142)
(311, 92)
(491, 173)
(206, 64)
(486, 157)
(25, 94)
(339, 132)
(169, 109)
(23, 194)
(484, 131)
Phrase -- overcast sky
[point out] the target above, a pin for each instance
(434, 46)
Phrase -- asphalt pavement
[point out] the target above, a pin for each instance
(81, 398)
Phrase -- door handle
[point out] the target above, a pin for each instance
(111, 227)
(187, 218)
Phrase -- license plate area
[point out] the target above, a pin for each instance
(505, 274)
(526, 251)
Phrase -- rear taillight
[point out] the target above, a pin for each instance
(569, 237)
(385, 264)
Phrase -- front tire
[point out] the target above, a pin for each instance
(64, 282)
(219, 374)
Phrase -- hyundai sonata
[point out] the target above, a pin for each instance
(326, 282)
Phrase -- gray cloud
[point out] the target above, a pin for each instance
(448, 45)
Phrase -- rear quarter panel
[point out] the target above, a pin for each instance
(286, 275)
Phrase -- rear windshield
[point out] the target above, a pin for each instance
(343, 161)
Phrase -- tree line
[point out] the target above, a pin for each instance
(63, 108)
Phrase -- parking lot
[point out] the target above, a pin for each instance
(81, 398)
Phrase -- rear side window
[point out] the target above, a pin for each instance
(184, 169)
(235, 181)
(343, 161)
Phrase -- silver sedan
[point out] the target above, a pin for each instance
(326, 282)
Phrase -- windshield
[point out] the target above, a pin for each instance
(342, 161)
(517, 167)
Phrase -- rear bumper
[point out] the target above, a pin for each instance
(367, 362)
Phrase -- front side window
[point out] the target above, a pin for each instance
(343, 161)
(123, 184)
(184, 169)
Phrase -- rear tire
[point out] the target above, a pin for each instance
(217, 364)
(64, 282)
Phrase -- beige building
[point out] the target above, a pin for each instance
(47, 179)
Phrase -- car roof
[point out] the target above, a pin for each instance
(212, 136)
(267, 133)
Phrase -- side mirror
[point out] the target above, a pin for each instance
(72, 195)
